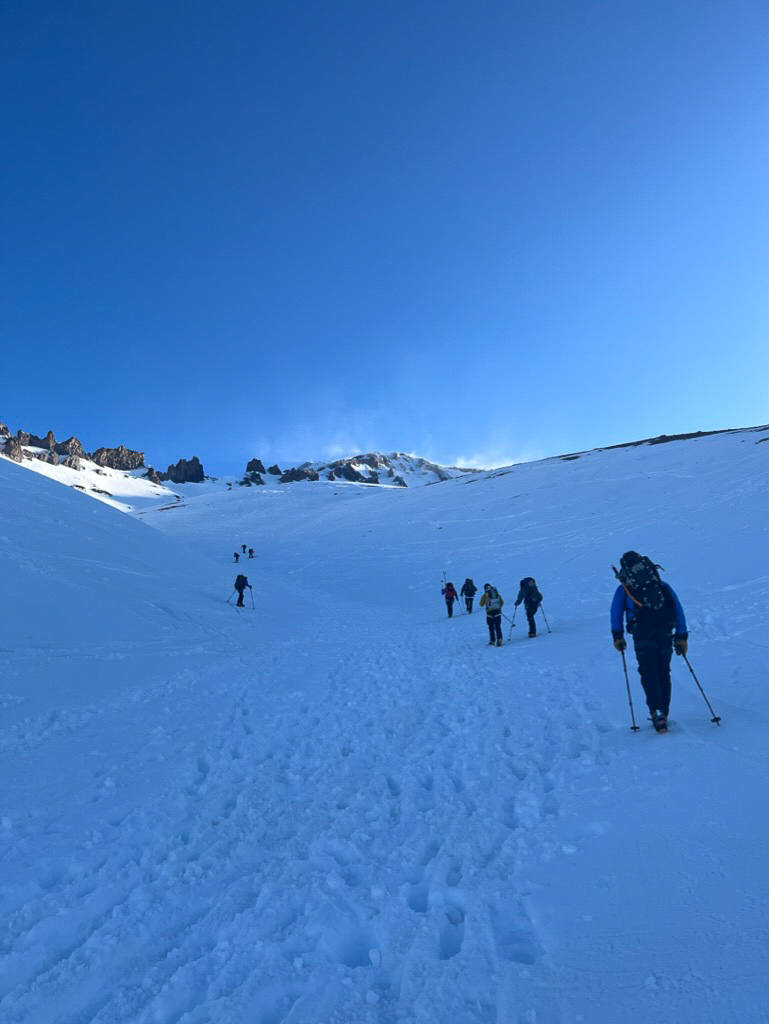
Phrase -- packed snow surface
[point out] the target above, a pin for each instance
(340, 806)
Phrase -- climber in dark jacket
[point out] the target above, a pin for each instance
(241, 582)
(468, 592)
(653, 640)
(532, 599)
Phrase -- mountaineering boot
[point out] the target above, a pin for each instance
(532, 634)
(499, 643)
(492, 643)
(659, 721)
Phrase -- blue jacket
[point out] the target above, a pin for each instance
(623, 608)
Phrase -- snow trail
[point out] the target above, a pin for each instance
(339, 810)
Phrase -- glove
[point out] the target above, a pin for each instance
(619, 643)
(681, 644)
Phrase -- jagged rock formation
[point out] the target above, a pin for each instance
(45, 456)
(292, 475)
(13, 450)
(275, 470)
(185, 472)
(118, 458)
(253, 474)
(153, 476)
(33, 441)
(71, 447)
(4, 431)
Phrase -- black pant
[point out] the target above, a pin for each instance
(239, 603)
(494, 622)
(469, 604)
(450, 607)
(531, 611)
(654, 655)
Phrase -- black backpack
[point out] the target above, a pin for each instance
(469, 588)
(530, 593)
(240, 582)
(641, 579)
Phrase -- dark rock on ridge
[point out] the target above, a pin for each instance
(71, 447)
(292, 475)
(13, 450)
(118, 458)
(185, 472)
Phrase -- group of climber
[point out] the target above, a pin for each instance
(643, 606)
(492, 601)
(243, 549)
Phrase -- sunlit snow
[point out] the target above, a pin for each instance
(339, 805)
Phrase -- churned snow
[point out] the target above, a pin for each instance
(338, 806)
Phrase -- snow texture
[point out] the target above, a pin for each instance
(341, 807)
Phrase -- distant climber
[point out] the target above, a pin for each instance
(241, 582)
(250, 552)
(236, 556)
(532, 599)
(468, 592)
(492, 601)
(450, 595)
(243, 548)
(652, 611)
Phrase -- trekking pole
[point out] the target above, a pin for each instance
(230, 597)
(512, 624)
(541, 608)
(251, 592)
(633, 727)
(716, 718)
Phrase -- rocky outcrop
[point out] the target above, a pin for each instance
(119, 458)
(33, 441)
(4, 431)
(251, 479)
(253, 474)
(51, 457)
(293, 475)
(70, 447)
(72, 462)
(275, 470)
(343, 471)
(185, 472)
(12, 449)
(398, 481)
(153, 476)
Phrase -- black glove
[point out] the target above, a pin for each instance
(681, 644)
(620, 643)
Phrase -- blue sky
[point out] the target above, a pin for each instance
(481, 232)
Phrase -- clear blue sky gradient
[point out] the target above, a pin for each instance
(478, 231)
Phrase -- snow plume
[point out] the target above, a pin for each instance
(342, 805)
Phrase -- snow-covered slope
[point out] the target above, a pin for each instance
(119, 488)
(340, 806)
